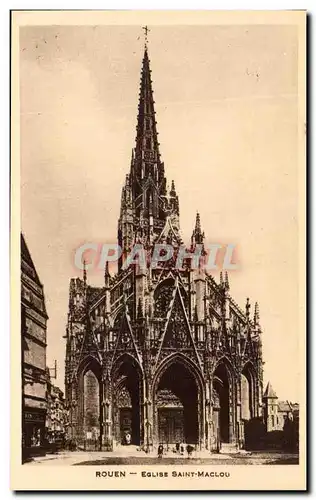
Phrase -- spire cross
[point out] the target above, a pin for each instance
(146, 30)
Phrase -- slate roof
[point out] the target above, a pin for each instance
(285, 406)
(26, 257)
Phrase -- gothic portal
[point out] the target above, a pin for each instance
(159, 355)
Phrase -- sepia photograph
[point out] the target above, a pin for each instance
(158, 218)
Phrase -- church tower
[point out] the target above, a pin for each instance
(163, 347)
(145, 202)
(270, 400)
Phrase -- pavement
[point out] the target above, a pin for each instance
(132, 456)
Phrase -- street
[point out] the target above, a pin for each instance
(120, 457)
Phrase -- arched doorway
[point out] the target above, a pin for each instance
(247, 393)
(89, 404)
(252, 427)
(177, 401)
(221, 386)
(126, 403)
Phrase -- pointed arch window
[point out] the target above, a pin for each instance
(148, 143)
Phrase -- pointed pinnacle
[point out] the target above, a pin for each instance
(107, 275)
(84, 272)
(221, 278)
(247, 307)
(197, 235)
(226, 281)
(269, 392)
(198, 222)
(256, 315)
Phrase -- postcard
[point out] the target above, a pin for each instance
(158, 250)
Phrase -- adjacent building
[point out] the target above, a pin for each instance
(33, 352)
(281, 422)
(160, 354)
(56, 417)
(277, 413)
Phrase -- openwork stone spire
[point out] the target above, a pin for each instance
(147, 145)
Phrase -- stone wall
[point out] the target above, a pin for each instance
(91, 402)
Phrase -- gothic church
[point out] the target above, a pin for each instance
(159, 355)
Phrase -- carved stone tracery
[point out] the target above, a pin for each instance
(149, 314)
(166, 398)
(123, 398)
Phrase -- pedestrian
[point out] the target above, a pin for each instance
(128, 438)
(189, 450)
(160, 451)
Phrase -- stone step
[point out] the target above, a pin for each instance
(227, 448)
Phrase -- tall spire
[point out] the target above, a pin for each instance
(147, 136)
(147, 177)
(145, 203)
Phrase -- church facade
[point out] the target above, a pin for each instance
(159, 354)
